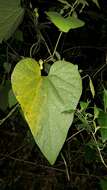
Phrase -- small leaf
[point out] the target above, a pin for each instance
(83, 2)
(44, 99)
(105, 99)
(92, 87)
(11, 15)
(64, 24)
(63, 1)
(84, 105)
(11, 98)
(102, 121)
(96, 112)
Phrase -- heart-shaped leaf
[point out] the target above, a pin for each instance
(64, 24)
(47, 100)
(11, 15)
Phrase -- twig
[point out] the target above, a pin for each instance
(13, 50)
(99, 70)
(65, 163)
(10, 113)
(52, 168)
(101, 157)
(75, 134)
(46, 45)
(57, 43)
(32, 163)
(31, 49)
(86, 47)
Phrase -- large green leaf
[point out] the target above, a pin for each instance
(11, 15)
(64, 24)
(47, 100)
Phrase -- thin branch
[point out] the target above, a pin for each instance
(57, 43)
(52, 168)
(101, 48)
(32, 163)
(9, 114)
(13, 50)
(66, 167)
(75, 134)
(46, 45)
(99, 70)
(99, 151)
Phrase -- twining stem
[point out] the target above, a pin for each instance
(67, 172)
(73, 7)
(100, 69)
(31, 49)
(9, 114)
(57, 44)
(94, 138)
(75, 134)
(99, 151)
(46, 45)
(42, 38)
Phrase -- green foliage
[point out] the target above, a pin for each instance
(11, 99)
(92, 87)
(46, 100)
(11, 15)
(102, 120)
(105, 99)
(96, 112)
(103, 183)
(64, 24)
(83, 105)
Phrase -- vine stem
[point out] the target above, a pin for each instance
(46, 45)
(57, 44)
(73, 7)
(42, 38)
(66, 167)
(99, 151)
(9, 114)
(100, 69)
(75, 134)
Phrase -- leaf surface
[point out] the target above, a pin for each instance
(64, 24)
(105, 99)
(92, 87)
(45, 101)
(11, 15)
(102, 121)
